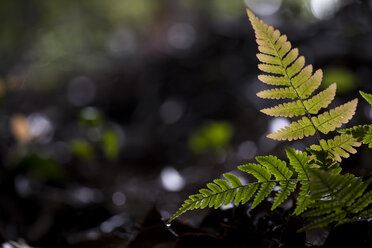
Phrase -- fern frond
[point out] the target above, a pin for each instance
(339, 147)
(366, 96)
(285, 67)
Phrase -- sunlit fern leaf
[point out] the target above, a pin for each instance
(329, 121)
(288, 109)
(367, 97)
(296, 130)
(278, 93)
(339, 147)
(361, 133)
(273, 80)
(306, 88)
(321, 100)
(299, 108)
(325, 123)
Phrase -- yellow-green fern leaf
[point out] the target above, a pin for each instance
(288, 109)
(306, 88)
(296, 130)
(321, 100)
(326, 122)
(299, 108)
(333, 119)
(273, 80)
(278, 93)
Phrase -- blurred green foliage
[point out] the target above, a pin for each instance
(46, 42)
(344, 78)
(98, 135)
(82, 149)
(43, 168)
(110, 144)
(211, 137)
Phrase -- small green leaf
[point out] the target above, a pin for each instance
(366, 96)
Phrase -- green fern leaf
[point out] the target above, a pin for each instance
(326, 220)
(367, 97)
(262, 193)
(249, 193)
(286, 188)
(336, 196)
(276, 167)
(259, 172)
(361, 203)
(234, 180)
(299, 161)
(303, 199)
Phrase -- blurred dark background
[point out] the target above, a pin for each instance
(111, 108)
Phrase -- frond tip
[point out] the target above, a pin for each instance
(285, 69)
